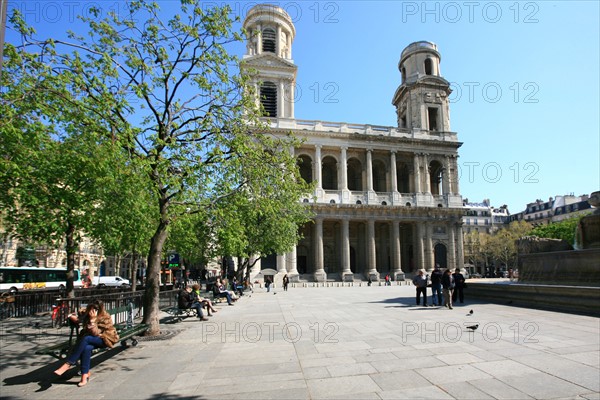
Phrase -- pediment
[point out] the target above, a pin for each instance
(268, 60)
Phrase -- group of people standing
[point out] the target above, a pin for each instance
(447, 284)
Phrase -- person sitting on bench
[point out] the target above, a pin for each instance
(186, 300)
(205, 302)
(98, 332)
(219, 291)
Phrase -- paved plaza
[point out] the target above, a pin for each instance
(336, 342)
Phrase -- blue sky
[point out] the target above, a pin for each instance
(525, 77)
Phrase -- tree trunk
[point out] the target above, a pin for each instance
(152, 288)
(70, 249)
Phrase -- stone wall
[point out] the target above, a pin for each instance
(570, 299)
(577, 267)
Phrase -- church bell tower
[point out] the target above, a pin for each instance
(422, 98)
(270, 33)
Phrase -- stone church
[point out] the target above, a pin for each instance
(387, 199)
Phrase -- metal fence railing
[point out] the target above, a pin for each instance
(25, 304)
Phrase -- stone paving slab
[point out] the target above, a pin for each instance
(327, 343)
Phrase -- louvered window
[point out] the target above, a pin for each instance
(268, 99)
(268, 40)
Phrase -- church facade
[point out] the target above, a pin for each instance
(387, 198)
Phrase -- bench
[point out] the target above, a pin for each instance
(180, 313)
(126, 330)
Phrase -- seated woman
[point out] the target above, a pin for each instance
(98, 332)
(206, 303)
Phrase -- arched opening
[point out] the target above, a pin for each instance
(329, 173)
(301, 259)
(403, 178)
(440, 255)
(305, 168)
(428, 67)
(268, 99)
(435, 177)
(379, 171)
(268, 40)
(403, 71)
(355, 175)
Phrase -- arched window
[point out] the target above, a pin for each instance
(354, 175)
(305, 166)
(268, 99)
(268, 40)
(379, 171)
(329, 173)
(435, 177)
(403, 74)
(403, 178)
(428, 67)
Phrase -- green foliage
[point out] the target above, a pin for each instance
(165, 92)
(564, 230)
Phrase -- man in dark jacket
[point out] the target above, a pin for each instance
(448, 285)
(185, 300)
(459, 285)
(436, 286)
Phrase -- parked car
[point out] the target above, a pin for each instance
(110, 281)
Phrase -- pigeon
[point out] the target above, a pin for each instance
(473, 327)
(470, 313)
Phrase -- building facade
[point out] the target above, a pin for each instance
(483, 217)
(555, 209)
(387, 199)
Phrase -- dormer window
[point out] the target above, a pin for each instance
(268, 99)
(428, 67)
(268, 40)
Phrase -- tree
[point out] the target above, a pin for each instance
(49, 165)
(503, 243)
(166, 90)
(564, 230)
(255, 224)
(477, 249)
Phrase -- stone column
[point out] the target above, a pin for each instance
(455, 188)
(420, 264)
(429, 258)
(371, 249)
(369, 171)
(460, 263)
(281, 100)
(319, 275)
(344, 169)
(347, 275)
(281, 264)
(451, 247)
(259, 40)
(292, 98)
(393, 172)
(427, 179)
(417, 172)
(446, 187)
(292, 265)
(317, 162)
(278, 42)
(397, 252)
